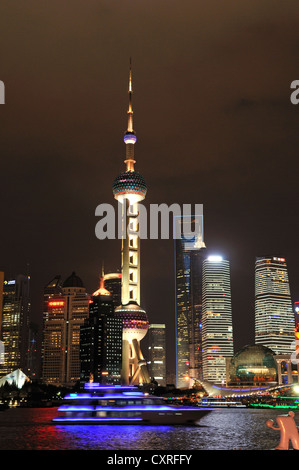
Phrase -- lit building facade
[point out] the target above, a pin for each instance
(274, 316)
(188, 306)
(157, 353)
(65, 309)
(15, 324)
(112, 282)
(296, 317)
(129, 188)
(1, 298)
(296, 314)
(217, 327)
(101, 341)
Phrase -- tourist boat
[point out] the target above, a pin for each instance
(122, 405)
(221, 403)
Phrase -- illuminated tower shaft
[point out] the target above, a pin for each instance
(130, 254)
(129, 188)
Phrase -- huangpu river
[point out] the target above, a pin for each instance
(222, 429)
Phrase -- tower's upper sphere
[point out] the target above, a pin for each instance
(130, 137)
(131, 185)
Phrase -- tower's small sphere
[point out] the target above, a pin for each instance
(129, 183)
(130, 137)
(135, 321)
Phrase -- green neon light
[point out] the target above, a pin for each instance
(292, 398)
(277, 407)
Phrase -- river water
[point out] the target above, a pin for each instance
(222, 429)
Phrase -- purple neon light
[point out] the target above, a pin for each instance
(98, 386)
(75, 408)
(128, 408)
(97, 419)
(241, 389)
(136, 408)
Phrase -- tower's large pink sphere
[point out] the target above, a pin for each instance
(135, 321)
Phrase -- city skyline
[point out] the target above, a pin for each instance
(61, 148)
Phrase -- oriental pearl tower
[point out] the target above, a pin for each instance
(129, 188)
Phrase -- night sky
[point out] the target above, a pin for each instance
(214, 123)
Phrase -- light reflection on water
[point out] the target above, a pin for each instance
(222, 429)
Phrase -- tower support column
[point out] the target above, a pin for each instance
(125, 372)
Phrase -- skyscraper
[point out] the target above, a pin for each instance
(15, 324)
(1, 297)
(296, 314)
(33, 370)
(129, 188)
(112, 282)
(274, 316)
(66, 308)
(157, 353)
(217, 328)
(188, 277)
(101, 340)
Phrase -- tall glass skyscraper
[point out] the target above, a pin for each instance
(217, 327)
(15, 324)
(274, 316)
(188, 276)
(296, 316)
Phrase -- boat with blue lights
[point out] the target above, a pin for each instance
(104, 404)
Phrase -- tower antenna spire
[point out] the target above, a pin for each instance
(130, 110)
(130, 137)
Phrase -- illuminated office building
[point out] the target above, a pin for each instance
(15, 324)
(217, 328)
(296, 312)
(188, 306)
(112, 282)
(157, 353)
(129, 188)
(1, 297)
(66, 307)
(274, 316)
(296, 316)
(51, 291)
(101, 341)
